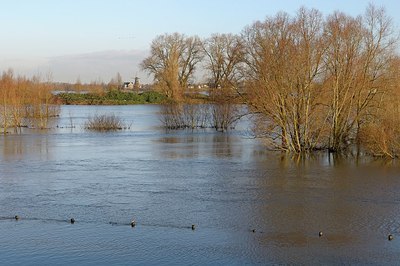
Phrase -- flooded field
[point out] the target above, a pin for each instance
(247, 205)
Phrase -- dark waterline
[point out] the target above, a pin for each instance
(248, 206)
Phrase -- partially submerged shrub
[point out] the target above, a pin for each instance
(382, 138)
(180, 116)
(105, 122)
(225, 116)
(219, 116)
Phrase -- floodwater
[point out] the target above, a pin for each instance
(249, 206)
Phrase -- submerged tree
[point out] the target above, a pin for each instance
(25, 102)
(224, 56)
(315, 83)
(358, 60)
(283, 66)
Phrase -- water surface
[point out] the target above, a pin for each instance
(248, 205)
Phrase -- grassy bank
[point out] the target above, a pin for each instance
(111, 98)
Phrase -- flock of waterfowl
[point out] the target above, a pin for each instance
(132, 223)
(193, 227)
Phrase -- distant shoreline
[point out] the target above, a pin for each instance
(110, 98)
(116, 97)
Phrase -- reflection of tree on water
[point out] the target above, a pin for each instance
(26, 146)
(12, 146)
(298, 197)
(200, 143)
(178, 146)
(331, 159)
(222, 145)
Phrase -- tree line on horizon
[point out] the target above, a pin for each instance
(311, 81)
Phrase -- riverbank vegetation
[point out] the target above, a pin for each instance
(25, 102)
(112, 97)
(312, 82)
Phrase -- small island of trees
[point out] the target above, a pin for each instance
(311, 82)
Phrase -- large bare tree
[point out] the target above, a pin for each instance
(344, 49)
(224, 53)
(283, 66)
(314, 83)
(224, 56)
(359, 52)
(172, 62)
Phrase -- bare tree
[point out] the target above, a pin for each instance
(6, 85)
(78, 86)
(224, 53)
(380, 135)
(283, 66)
(314, 83)
(344, 38)
(224, 56)
(172, 61)
(116, 82)
(25, 100)
(379, 59)
(357, 70)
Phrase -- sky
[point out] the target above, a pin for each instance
(94, 39)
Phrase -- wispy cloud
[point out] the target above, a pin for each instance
(102, 65)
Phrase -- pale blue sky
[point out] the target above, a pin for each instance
(95, 39)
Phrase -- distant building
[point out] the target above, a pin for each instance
(128, 85)
(137, 85)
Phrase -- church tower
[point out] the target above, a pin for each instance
(136, 85)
